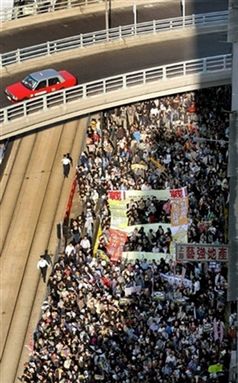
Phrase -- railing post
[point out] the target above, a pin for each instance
(204, 65)
(18, 55)
(144, 77)
(84, 91)
(193, 20)
(224, 62)
(69, 4)
(45, 104)
(24, 109)
(81, 40)
(64, 97)
(135, 16)
(48, 48)
(184, 69)
(120, 34)
(124, 82)
(164, 72)
(154, 27)
(5, 115)
(35, 9)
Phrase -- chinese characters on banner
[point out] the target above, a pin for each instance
(178, 193)
(116, 243)
(116, 195)
(201, 253)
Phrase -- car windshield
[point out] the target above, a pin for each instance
(29, 82)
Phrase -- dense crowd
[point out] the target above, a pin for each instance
(151, 321)
(148, 210)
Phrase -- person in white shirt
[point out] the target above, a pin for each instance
(66, 165)
(42, 265)
(70, 249)
(85, 243)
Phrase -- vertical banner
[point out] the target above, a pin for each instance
(70, 199)
(99, 233)
(117, 204)
(179, 206)
(116, 243)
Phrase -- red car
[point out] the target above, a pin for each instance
(38, 83)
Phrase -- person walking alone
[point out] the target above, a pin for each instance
(42, 265)
(66, 161)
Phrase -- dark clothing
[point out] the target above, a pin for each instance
(43, 271)
(47, 257)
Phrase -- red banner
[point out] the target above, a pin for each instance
(115, 195)
(71, 197)
(116, 243)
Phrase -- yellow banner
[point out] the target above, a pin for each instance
(158, 164)
(139, 166)
(99, 233)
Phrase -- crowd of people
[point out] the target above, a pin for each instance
(148, 210)
(151, 321)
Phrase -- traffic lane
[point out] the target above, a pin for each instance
(36, 34)
(106, 64)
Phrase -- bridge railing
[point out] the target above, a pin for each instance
(43, 6)
(118, 33)
(214, 64)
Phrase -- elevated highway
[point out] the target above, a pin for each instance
(70, 21)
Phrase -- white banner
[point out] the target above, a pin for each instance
(133, 255)
(177, 280)
(201, 252)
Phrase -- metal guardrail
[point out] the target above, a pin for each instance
(118, 33)
(116, 83)
(44, 6)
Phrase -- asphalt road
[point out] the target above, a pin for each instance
(106, 64)
(36, 34)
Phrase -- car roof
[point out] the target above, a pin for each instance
(44, 74)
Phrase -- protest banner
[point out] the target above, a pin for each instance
(139, 166)
(157, 163)
(119, 217)
(178, 193)
(132, 290)
(147, 227)
(116, 243)
(201, 252)
(132, 256)
(179, 206)
(162, 195)
(179, 211)
(99, 233)
(177, 280)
